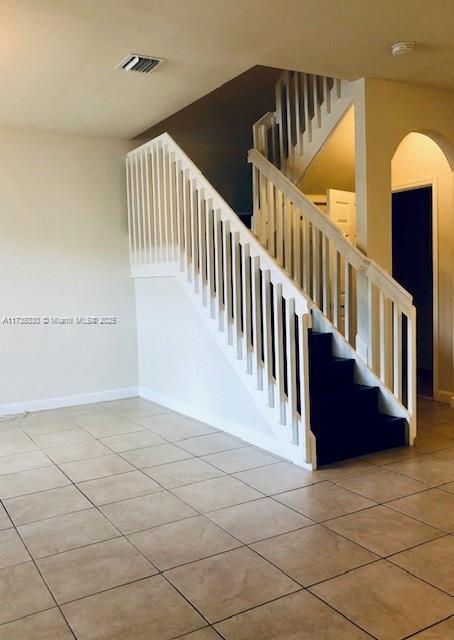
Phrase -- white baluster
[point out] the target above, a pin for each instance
(267, 310)
(247, 311)
(237, 295)
(279, 350)
(219, 270)
(257, 315)
(228, 284)
(211, 267)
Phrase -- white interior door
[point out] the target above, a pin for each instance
(341, 208)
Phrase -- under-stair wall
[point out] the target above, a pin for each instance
(180, 227)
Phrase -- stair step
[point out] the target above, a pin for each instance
(343, 410)
(386, 432)
(332, 375)
(320, 346)
(345, 416)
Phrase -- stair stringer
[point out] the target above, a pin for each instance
(282, 445)
(388, 403)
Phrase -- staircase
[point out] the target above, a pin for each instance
(308, 108)
(345, 415)
(283, 302)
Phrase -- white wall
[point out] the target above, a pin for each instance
(181, 365)
(63, 251)
(334, 165)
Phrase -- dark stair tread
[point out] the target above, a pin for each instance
(354, 390)
(345, 415)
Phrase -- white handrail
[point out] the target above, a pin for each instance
(338, 278)
(175, 215)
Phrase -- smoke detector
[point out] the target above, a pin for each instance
(139, 63)
(402, 48)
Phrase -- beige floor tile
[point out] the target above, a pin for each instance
(81, 409)
(5, 522)
(22, 592)
(259, 519)
(381, 485)
(427, 442)
(42, 427)
(103, 425)
(210, 443)
(216, 494)
(139, 410)
(134, 440)
(429, 469)
(323, 501)
(432, 562)
(14, 441)
(46, 504)
(240, 459)
(203, 634)
(313, 554)
(18, 484)
(339, 470)
(82, 470)
(171, 545)
(446, 454)
(226, 584)
(441, 631)
(177, 474)
(47, 625)
(82, 572)
(390, 455)
(385, 601)
(72, 452)
(435, 413)
(54, 535)
(158, 454)
(174, 426)
(148, 511)
(276, 478)
(448, 487)
(119, 487)
(446, 430)
(149, 609)
(23, 462)
(383, 530)
(298, 616)
(12, 549)
(63, 438)
(131, 404)
(434, 507)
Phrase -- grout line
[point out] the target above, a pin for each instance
(241, 544)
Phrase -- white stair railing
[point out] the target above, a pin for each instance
(308, 107)
(176, 216)
(342, 282)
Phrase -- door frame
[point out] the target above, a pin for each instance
(410, 186)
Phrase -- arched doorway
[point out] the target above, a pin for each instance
(422, 246)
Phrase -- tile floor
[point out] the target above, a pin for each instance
(124, 521)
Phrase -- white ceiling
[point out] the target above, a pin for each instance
(58, 57)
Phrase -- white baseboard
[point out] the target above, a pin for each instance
(68, 401)
(289, 451)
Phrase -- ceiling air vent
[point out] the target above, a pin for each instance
(137, 62)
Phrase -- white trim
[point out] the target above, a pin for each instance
(68, 401)
(291, 453)
(410, 186)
